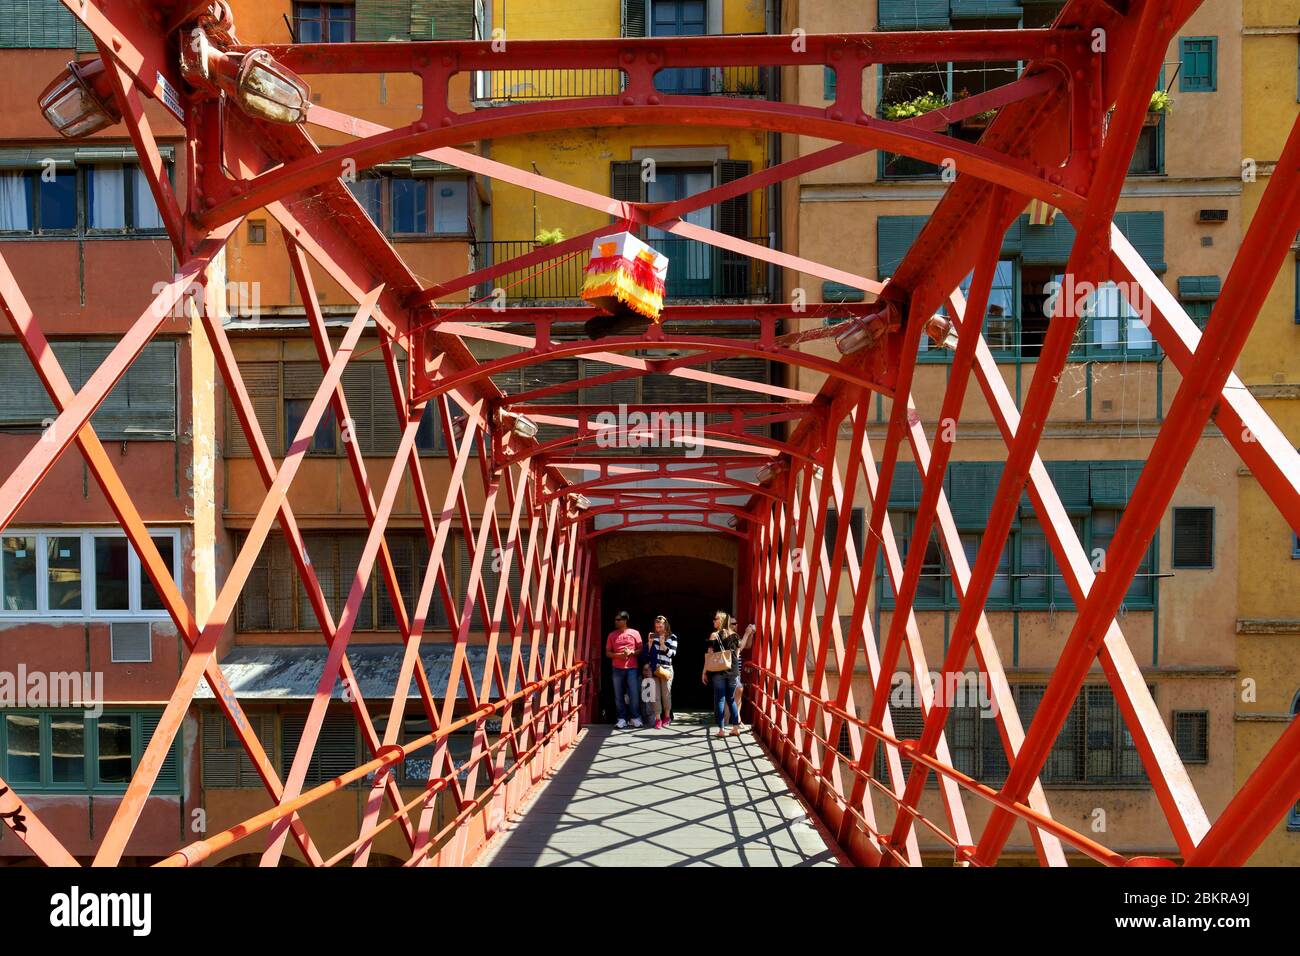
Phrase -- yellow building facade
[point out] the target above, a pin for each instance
(653, 164)
(1268, 586)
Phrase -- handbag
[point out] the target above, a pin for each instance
(717, 661)
(664, 672)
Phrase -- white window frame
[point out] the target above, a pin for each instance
(88, 612)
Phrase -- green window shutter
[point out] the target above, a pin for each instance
(85, 40)
(986, 10)
(972, 486)
(838, 292)
(169, 776)
(1198, 288)
(734, 220)
(913, 15)
(746, 368)
(358, 389)
(1200, 65)
(635, 18)
(733, 214)
(1012, 238)
(336, 747)
(37, 25)
(905, 490)
(1146, 231)
(220, 767)
(546, 375)
(1046, 245)
(1193, 545)
(142, 405)
(1111, 483)
(423, 19)
(828, 83)
(442, 19)
(262, 382)
(378, 20)
(370, 403)
(623, 391)
(1071, 481)
(894, 236)
(625, 180)
(659, 388)
(24, 403)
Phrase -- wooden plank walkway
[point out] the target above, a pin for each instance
(669, 797)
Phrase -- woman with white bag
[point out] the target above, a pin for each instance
(663, 648)
(720, 654)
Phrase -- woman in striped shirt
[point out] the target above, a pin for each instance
(663, 648)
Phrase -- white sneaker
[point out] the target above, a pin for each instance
(621, 725)
(636, 721)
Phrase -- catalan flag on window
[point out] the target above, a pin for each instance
(1041, 213)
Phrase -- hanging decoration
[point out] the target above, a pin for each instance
(625, 275)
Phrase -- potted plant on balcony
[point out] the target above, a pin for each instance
(548, 237)
(917, 106)
(1161, 103)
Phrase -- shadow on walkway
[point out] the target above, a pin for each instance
(670, 797)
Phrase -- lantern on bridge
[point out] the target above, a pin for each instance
(625, 276)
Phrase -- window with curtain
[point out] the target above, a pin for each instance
(1001, 319)
(16, 212)
(88, 191)
(415, 206)
(107, 197)
(324, 22)
(1113, 326)
(38, 201)
(118, 199)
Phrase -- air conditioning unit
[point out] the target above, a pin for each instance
(1212, 215)
(131, 642)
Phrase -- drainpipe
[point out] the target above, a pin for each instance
(773, 26)
(774, 208)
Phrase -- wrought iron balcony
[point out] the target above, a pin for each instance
(499, 87)
(696, 271)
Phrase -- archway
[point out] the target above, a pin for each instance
(686, 578)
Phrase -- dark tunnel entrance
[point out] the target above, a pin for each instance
(687, 590)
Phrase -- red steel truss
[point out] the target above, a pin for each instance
(1063, 134)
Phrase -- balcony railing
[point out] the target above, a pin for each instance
(696, 271)
(498, 87)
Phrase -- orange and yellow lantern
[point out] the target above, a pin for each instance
(625, 275)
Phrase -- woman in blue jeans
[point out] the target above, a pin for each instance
(724, 681)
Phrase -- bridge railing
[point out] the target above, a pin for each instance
(770, 689)
(555, 722)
